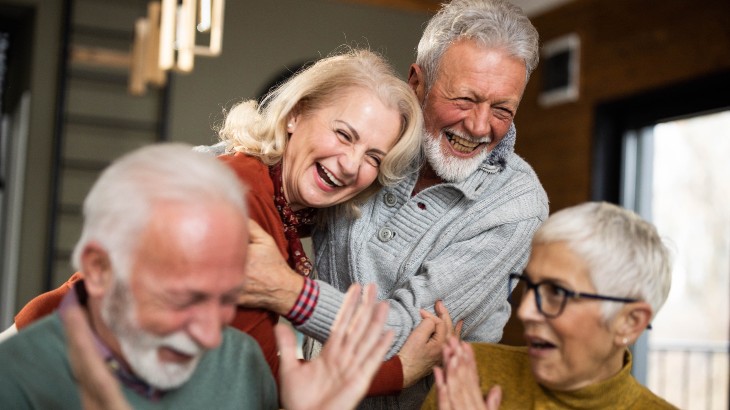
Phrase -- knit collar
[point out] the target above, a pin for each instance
(296, 224)
(603, 395)
(495, 163)
(498, 157)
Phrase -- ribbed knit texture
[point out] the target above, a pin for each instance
(35, 374)
(456, 242)
(509, 367)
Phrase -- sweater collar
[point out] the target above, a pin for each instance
(596, 396)
(495, 163)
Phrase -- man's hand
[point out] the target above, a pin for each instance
(340, 376)
(97, 386)
(457, 383)
(422, 350)
(270, 283)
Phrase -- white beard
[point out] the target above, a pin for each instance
(140, 348)
(447, 167)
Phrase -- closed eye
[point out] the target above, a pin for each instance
(504, 113)
(374, 160)
(343, 135)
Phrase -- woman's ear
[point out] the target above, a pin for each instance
(292, 118)
(97, 269)
(417, 81)
(631, 321)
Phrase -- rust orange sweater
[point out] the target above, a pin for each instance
(256, 322)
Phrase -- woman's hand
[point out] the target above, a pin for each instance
(270, 283)
(422, 350)
(339, 377)
(457, 383)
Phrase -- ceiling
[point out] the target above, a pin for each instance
(530, 7)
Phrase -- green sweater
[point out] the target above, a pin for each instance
(509, 367)
(35, 374)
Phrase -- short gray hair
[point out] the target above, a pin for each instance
(491, 23)
(120, 202)
(624, 253)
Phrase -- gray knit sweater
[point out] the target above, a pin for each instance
(456, 242)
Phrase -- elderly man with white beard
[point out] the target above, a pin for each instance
(454, 231)
(163, 252)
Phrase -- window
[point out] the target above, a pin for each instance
(676, 174)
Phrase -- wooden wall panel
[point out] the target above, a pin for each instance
(627, 47)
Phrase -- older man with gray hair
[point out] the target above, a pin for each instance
(455, 230)
(163, 252)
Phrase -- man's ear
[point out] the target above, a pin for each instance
(417, 81)
(97, 269)
(631, 321)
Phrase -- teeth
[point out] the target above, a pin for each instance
(332, 179)
(539, 344)
(462, 144)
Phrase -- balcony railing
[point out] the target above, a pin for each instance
(690, 375)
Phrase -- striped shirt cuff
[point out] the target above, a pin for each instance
(304, 306)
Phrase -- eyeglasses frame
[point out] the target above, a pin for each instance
(569, 294)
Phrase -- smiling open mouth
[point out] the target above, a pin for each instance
(327, 177)
(462, 144)
(536, 343)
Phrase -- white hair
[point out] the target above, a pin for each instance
(491, 23)
(119, 205)
(624, 253)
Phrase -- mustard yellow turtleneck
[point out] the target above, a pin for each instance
(509, 367)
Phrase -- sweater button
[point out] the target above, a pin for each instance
(385, 234)
(390, 199)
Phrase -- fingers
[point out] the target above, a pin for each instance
(427, 327)
(457, 329)
(442, 391)
(98, 388)
(443, 313)
(287, 343)
(494, 398)
(357, 344)
(365, 330)
(462, 379)
(445, 316)
(78, 331)
(371, 358)
(342, 320)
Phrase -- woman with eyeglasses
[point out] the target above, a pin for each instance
(596, 277)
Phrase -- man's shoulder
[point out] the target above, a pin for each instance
(35, 372)
(237, 351)
(519, 168)
(521, 182)
(47, 331)
(238, 364)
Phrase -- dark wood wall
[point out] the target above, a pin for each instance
(628, 47)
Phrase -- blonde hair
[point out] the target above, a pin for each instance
(260, 130)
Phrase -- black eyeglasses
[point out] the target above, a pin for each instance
(551, 298)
